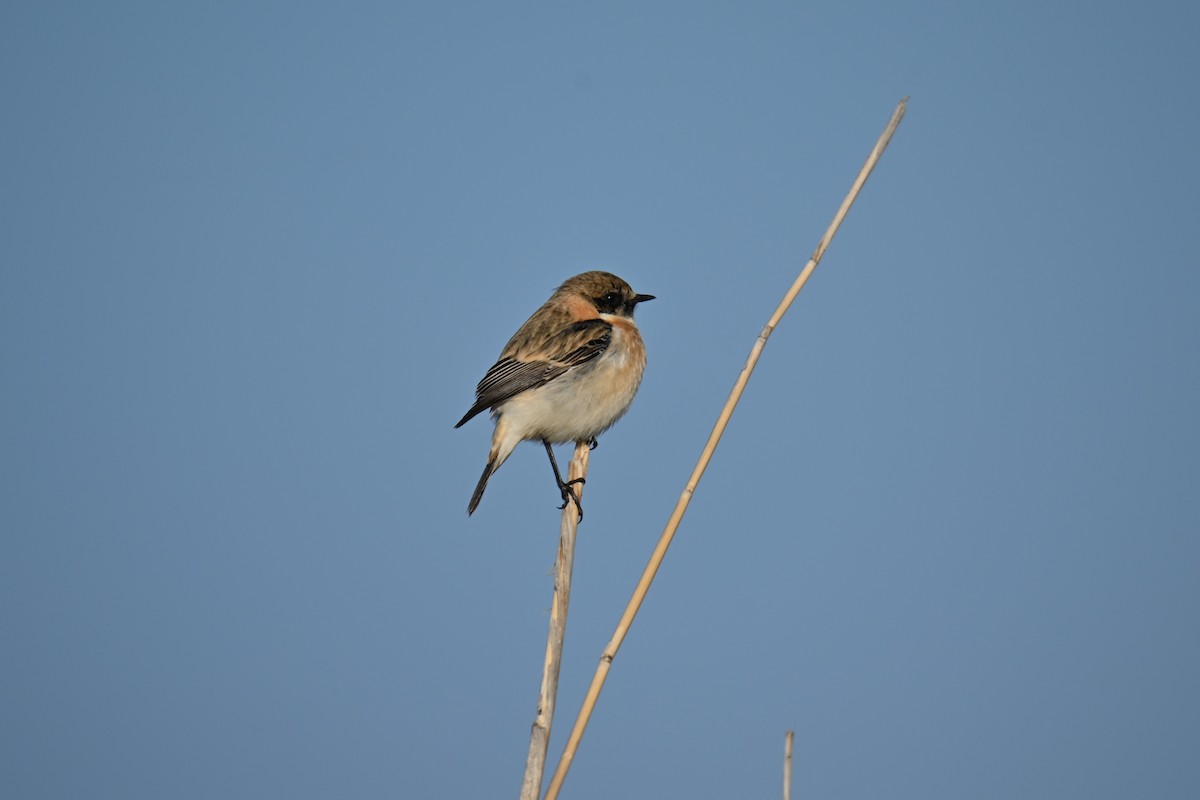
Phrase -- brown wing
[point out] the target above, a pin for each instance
(577, 344)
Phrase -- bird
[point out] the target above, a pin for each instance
(567, 374)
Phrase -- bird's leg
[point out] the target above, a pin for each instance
(568, 494)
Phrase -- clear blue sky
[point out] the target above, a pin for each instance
(256, 256)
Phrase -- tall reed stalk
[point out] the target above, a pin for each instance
(668, 534)
(539, 739)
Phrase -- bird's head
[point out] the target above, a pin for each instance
(608, 293)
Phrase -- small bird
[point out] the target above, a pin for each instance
(568, 374)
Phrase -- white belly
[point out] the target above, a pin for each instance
(581, 404)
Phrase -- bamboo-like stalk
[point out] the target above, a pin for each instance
(787, 764)
(668, 534)
(539, 739)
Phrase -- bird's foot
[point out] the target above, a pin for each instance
(593, 443)
(570, 495)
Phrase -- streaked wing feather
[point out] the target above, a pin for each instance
(509, 378)
(587, 340)
(578, 344)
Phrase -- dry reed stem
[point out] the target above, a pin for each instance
(788, 739)
(664, 542)
(539, 739)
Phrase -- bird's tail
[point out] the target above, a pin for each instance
(478, 495)
(503, 441)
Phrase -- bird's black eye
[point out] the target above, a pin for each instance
(610, 302)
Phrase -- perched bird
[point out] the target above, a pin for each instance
(566, 375)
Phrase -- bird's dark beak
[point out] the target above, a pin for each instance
(641, 298)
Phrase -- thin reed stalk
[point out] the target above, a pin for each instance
(788, 739)
(668, 534)
(539, 739)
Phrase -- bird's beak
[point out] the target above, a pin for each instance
(641, 298)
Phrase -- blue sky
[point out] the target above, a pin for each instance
(256, 256)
